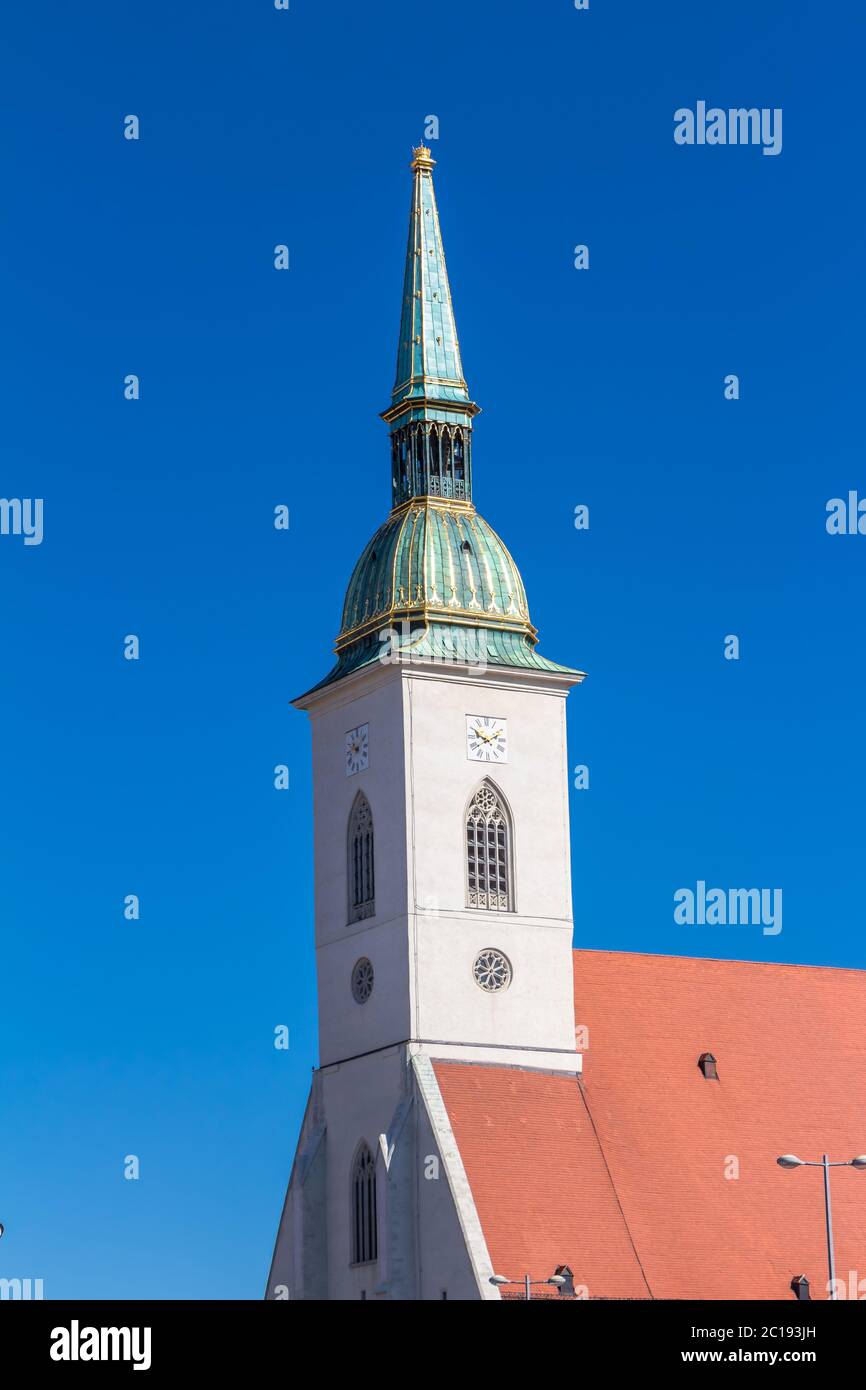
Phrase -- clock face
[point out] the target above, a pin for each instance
(486, 739)
(357, 749)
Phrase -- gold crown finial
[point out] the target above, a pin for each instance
(422, 158)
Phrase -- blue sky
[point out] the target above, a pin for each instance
(603, 387)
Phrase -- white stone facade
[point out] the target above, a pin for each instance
(375, 1082)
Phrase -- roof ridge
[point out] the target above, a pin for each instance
(718, 960)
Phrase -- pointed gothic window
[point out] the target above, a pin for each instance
(488, 851)
(362, 878)
(364, 1235)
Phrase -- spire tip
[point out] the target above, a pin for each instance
(422, 158)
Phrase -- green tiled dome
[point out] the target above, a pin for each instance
(438, 562)
(439, 584)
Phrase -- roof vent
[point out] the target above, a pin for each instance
(466, 546)
(567, 1276)
(800, 1285)
(707, 1064)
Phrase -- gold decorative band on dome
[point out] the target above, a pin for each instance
(438, 616)
(421, 500)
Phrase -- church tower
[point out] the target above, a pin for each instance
(442, 875)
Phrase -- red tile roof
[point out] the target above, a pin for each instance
(627, 1176)
(538, 1176)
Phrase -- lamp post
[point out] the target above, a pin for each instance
(792, 1161)
(528, 1283)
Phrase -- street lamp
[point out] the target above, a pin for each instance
(792, 1161)
(528, 1283)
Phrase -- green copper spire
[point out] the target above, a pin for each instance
(430, 413)
(428, 353)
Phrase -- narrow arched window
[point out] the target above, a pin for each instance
(459, 471)
(488, 851)
(434, 461)
(362, 872)
(404, 467)
(419, 455)
(446, 458)
(365, 1242)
